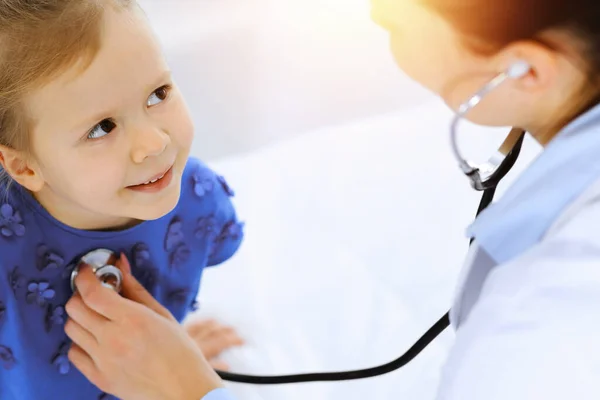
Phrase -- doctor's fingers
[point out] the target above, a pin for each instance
(86, 317)
(134, 291)
(84, 363)
(81, 337)
(102, 300)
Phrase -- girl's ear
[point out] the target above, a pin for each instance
(21, 169)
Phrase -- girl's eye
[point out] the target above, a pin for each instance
(159, 95)
(105, 127)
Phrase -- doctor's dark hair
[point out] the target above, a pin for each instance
(39, 40)
(490, 25)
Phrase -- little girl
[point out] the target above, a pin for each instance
(94, 145)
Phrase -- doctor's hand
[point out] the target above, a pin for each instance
(131, 346)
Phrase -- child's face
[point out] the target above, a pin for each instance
(87, 167)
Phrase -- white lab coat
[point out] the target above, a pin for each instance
(529, 329)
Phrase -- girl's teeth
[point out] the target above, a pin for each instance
(157, 179)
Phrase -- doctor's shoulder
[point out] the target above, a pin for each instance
(534, 331)
(557, 281)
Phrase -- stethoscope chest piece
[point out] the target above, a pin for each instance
(103, 264)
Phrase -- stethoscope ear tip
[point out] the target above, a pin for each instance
(518, 69)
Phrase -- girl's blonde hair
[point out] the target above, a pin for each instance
(40, 39)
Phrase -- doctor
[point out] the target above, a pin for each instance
(527, 309)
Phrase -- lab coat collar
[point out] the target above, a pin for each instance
(568, 165)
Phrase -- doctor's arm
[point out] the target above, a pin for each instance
(132, 347)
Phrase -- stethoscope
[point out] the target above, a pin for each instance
(483, 177)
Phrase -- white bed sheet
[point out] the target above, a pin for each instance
(354, 241)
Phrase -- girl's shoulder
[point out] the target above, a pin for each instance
(206, 203)
(201, 184)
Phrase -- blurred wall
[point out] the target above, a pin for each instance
(258, 71)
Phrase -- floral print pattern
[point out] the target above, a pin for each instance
(203, 182)
(174, 235)
(179, 252)
(16, 280)
(40, 293)
(178, 296)
(206, 227)
(232, 230)
(47, 259)
(11, 223)
(225, 186)
(61, 359)
(142, 268)
(7, 358)
(55, 316)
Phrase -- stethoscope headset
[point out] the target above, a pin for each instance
(483, 177)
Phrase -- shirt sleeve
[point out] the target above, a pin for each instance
(534, 332)
(218, 394)
(230, 231)
(212, 200)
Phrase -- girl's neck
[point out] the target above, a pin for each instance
(79, 218)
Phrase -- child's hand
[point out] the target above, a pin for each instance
(213, 338)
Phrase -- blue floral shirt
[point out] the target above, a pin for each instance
(38, 253)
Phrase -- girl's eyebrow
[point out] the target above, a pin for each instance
(164, 77)
(86, 122)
